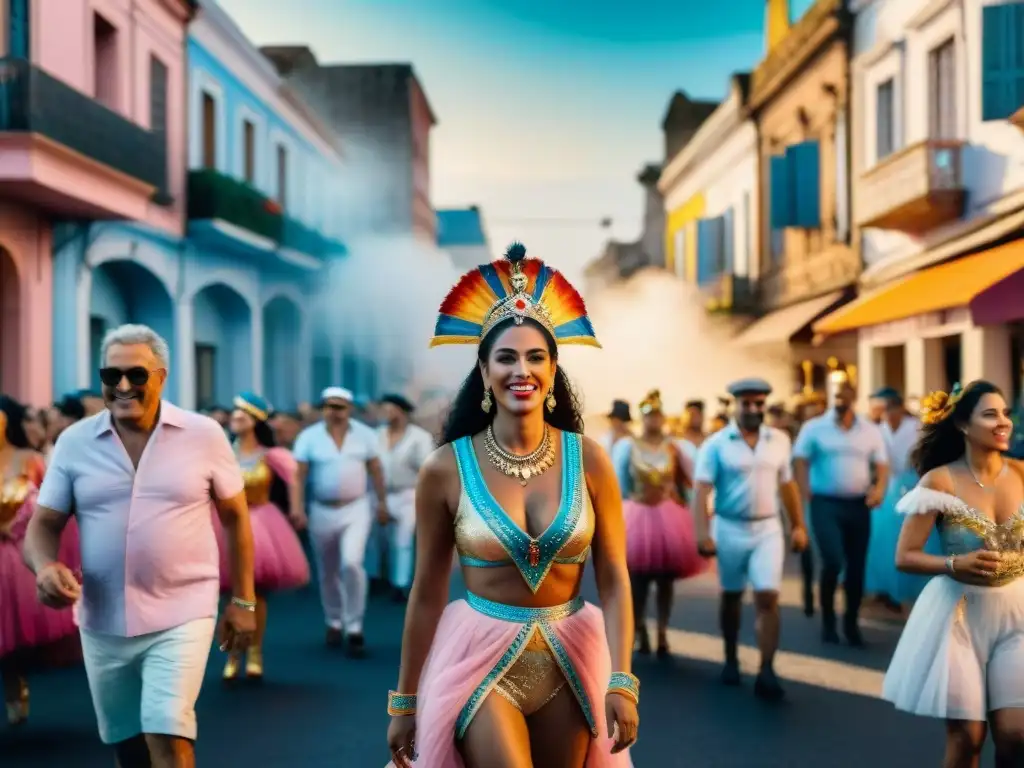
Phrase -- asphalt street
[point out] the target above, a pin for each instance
(317, 708)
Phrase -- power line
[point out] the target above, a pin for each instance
(602, 223)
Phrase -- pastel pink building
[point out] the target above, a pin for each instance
(92, 127)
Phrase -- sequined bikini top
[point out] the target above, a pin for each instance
(13, 493)
(258, 478)
(486, 537)
(963, 529)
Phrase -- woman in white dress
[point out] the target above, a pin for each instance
(961, 656)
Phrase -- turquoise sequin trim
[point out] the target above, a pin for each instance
(476, 562)
(513, 539)
(532, 619)
(625, 682)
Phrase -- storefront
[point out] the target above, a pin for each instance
(954, 322)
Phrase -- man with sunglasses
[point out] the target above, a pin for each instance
(748, 467)
(338, 458)
(141, 477)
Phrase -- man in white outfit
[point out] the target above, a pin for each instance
(748, 467)
(404, 447)
(338, 457)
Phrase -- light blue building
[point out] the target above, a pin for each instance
(232, 293)
(462, 235)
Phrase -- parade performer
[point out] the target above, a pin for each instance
(962, 649)
(404, 447)
(278, 560)
(661, 543)
(522, 670)
(748, 467)
(339, 457)
(619, 419)
(30, 634)
(140, 478)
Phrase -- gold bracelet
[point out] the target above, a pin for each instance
(400, 704)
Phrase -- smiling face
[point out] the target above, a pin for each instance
(133, 380)
(989, 427)
(519, 369)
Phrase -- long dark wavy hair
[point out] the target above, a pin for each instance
(943, 442)
(264, 435)
(467, 418)
(16, 414)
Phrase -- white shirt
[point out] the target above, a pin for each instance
(900, 443)
(609, 441)
(337, 475)
(746, 480)
(403, 460)
(840, 459)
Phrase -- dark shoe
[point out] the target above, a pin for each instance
(767, 686)
(643, 642)
(809, 601)
(731, 674)
(853, 635)
(663, 650)
(829, 634)
(334, 638)
(356, 645)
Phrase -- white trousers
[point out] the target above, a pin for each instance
(750, 552)
(149, 683)
(339, 536)
(400, 535)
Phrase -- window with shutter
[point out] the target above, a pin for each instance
(728, 242)
(885, 123)
(780, 202)
(18, 29)
(805, 172)
(1002, 60)
(942, 113)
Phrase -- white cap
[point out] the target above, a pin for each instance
(336, 393)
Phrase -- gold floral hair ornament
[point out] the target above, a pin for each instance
(938, 405)
(651, 403)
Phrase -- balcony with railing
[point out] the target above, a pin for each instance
(69, 154)
(914, 190)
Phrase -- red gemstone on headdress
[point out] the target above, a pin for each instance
(520, 304)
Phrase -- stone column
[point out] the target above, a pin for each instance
(986, 354)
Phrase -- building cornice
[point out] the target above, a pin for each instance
(825, 20)
(929, 12)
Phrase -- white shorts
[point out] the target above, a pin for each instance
(149, 683)
(749, 553)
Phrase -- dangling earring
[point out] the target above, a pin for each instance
(487, 402)
(550, 401)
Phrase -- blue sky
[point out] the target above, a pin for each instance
(547, 109)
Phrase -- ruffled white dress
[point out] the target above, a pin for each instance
(961, 654)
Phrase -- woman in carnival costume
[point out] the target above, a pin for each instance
(962, 649)
(522, 670)
(280, 562)
(661, 540)
(30, 633)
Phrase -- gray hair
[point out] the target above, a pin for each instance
(137, 334)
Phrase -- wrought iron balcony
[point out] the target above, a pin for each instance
(34, 102)
(297, 236)
(731, 294)
(215, 196)
(914, 190)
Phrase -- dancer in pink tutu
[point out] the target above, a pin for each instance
(661, 543)
(522, 668)
(30, 633)
(280, 563)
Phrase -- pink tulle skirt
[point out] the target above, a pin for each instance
(661, 539)
(26, 625)
(469, 645)
(280, 562)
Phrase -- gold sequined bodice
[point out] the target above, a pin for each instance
(13, 494)
(963, 529)
(258, 478)
(653, 470)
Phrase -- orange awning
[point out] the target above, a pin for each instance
(946, 286)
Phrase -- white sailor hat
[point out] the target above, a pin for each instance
(752, 386)
(336, 393)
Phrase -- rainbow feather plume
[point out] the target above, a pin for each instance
(466, 307)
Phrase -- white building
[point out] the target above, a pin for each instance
(938, 166)
(710, 189)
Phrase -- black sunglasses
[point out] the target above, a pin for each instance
(136, 376)
(336, 407)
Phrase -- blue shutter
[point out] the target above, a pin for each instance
(781, 199)
(18, 29)
(705, 250)
(805, 170)
(728, 242)
(1002, 60)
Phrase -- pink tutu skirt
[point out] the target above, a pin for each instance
(26, 625)
(280, 562)
(472, 650)
(661, 539)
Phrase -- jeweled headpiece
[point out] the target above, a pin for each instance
(651, 403)
(518, 288)
(939, 405)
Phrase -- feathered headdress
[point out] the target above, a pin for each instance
(651, 403)
(939, 405)
(514, 287)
